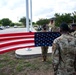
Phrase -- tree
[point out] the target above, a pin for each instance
(23, 21)
(33, 23)
(12, 24)
(0, 21)
(74, 17)
(63, 18)
(6, 22)
(43, 21)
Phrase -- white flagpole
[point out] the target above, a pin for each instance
(27, 16)
(27, 19)
(31, 14)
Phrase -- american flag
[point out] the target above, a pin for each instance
(13, 41)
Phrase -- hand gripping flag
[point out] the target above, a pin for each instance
(13, 41)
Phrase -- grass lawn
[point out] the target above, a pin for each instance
(10, 65)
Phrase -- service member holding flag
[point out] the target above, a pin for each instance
(44, 48)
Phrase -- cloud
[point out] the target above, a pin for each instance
(12, 9)
(15, 9)
(47, 8)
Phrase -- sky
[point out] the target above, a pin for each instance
(16, 9)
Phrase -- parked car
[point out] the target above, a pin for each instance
(7, 26)
(1, 27)
(15, 26)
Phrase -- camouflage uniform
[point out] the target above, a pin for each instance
(44, 49)
(55, 29)
(74, 34)
(63, 55)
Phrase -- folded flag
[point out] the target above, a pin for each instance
(13, 41)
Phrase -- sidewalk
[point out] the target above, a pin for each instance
(30, 52)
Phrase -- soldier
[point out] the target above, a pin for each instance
(55, 29)
(44, 48)
(63, 52)
(73, 31)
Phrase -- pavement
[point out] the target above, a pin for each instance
(13, 30)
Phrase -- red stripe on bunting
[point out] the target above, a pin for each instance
(16, 43)
(13, 41)
(12, 49)
(15, 38)
(17, 34)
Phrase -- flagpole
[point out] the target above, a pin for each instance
(27, 16)
(27, 19)
(31, 14)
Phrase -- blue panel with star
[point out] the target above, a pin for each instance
(45, 38)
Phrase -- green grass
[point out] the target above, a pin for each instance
(10, 65)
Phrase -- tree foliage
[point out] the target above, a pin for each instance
(62, 18)
(33, 23)
(59, 18)
(6, 22)
(12, 24)
(0, 21)
(23, 21)
(43, 21)
(74, 17)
